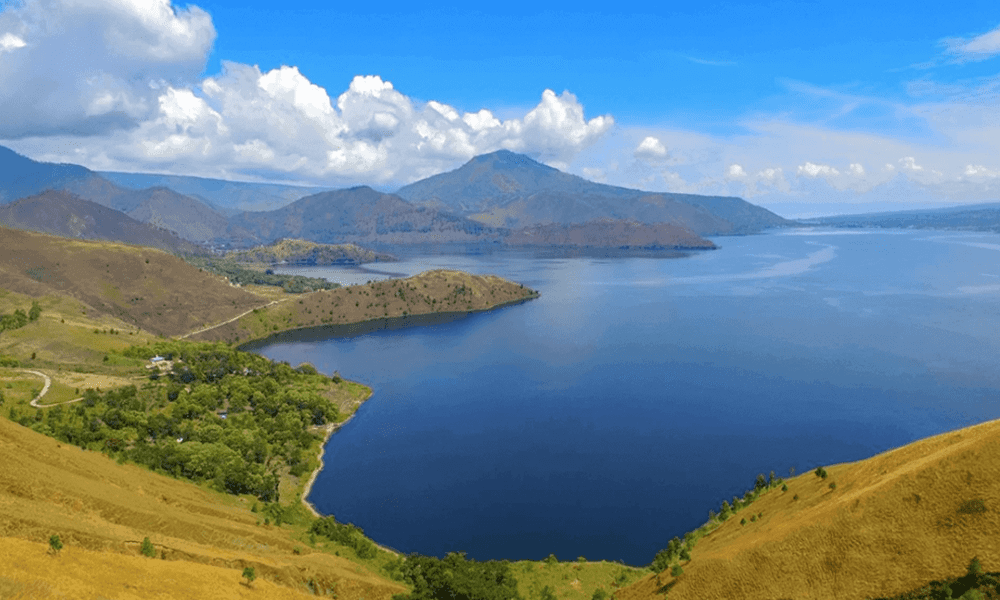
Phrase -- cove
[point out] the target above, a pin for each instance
(637, 393)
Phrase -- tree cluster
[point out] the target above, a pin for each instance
(349, 535)
(19, 318)
(292, 284)
(228, 417)
(456, 577)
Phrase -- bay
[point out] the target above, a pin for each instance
(637, 393)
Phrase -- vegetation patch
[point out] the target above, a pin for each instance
(234, 419)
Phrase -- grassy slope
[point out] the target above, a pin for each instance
(144, 288)
(573, 580)
(303, 251)
(103, 510)
(894, 522)
(64, 334)
(431, 292)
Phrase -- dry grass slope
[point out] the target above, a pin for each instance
(102, 511)
(431, 292)
(143, 287)
(894, 522)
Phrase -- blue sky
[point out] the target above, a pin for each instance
(805, 108)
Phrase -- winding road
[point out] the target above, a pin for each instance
(45, 390)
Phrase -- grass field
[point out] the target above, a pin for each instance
(102, 510)
(573, 580)
(877, 527)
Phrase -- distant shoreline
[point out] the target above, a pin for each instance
(315, 333)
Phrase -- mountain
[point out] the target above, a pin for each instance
(970, 217)
(189, 217)
(610, 233)
(67, 215)
(230, 197)
(20, 176)
(505, 189)
(356, 215)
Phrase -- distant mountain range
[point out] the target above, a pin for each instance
(228, 197)
(67, 215)
(972, 217)
(493, 198)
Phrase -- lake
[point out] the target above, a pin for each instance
(636, 394)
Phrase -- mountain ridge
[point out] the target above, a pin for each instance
(66, 214)
(512, 190)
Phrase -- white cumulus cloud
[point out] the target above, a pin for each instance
(980, 171)
(910, 164)
(812, 170)
(650, 149)
(9, 41)
(86, 67)
(735, 171)
(119, 83)
(856, 169)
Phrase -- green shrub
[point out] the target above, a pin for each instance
(249, 574)
(147, 548)
(676, 571)
(55, 544)
(975, 567)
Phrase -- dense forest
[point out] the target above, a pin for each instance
(209, 413)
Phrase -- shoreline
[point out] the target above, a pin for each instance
(355, 328)
(331, 428)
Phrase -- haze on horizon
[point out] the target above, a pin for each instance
(799, 108)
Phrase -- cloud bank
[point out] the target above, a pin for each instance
(126, 76)
(120, 85)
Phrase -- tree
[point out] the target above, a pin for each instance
(55, 544)
(34, 312)
(685, 555)
(599, 594)
(147, 548)
(661, 561)
(547, 593)
(249, 574)
(676, 571)
(975, 567)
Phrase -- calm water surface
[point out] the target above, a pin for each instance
(637, 393)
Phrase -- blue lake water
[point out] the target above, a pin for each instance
(636, 394)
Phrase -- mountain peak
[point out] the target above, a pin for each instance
(508, 159)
